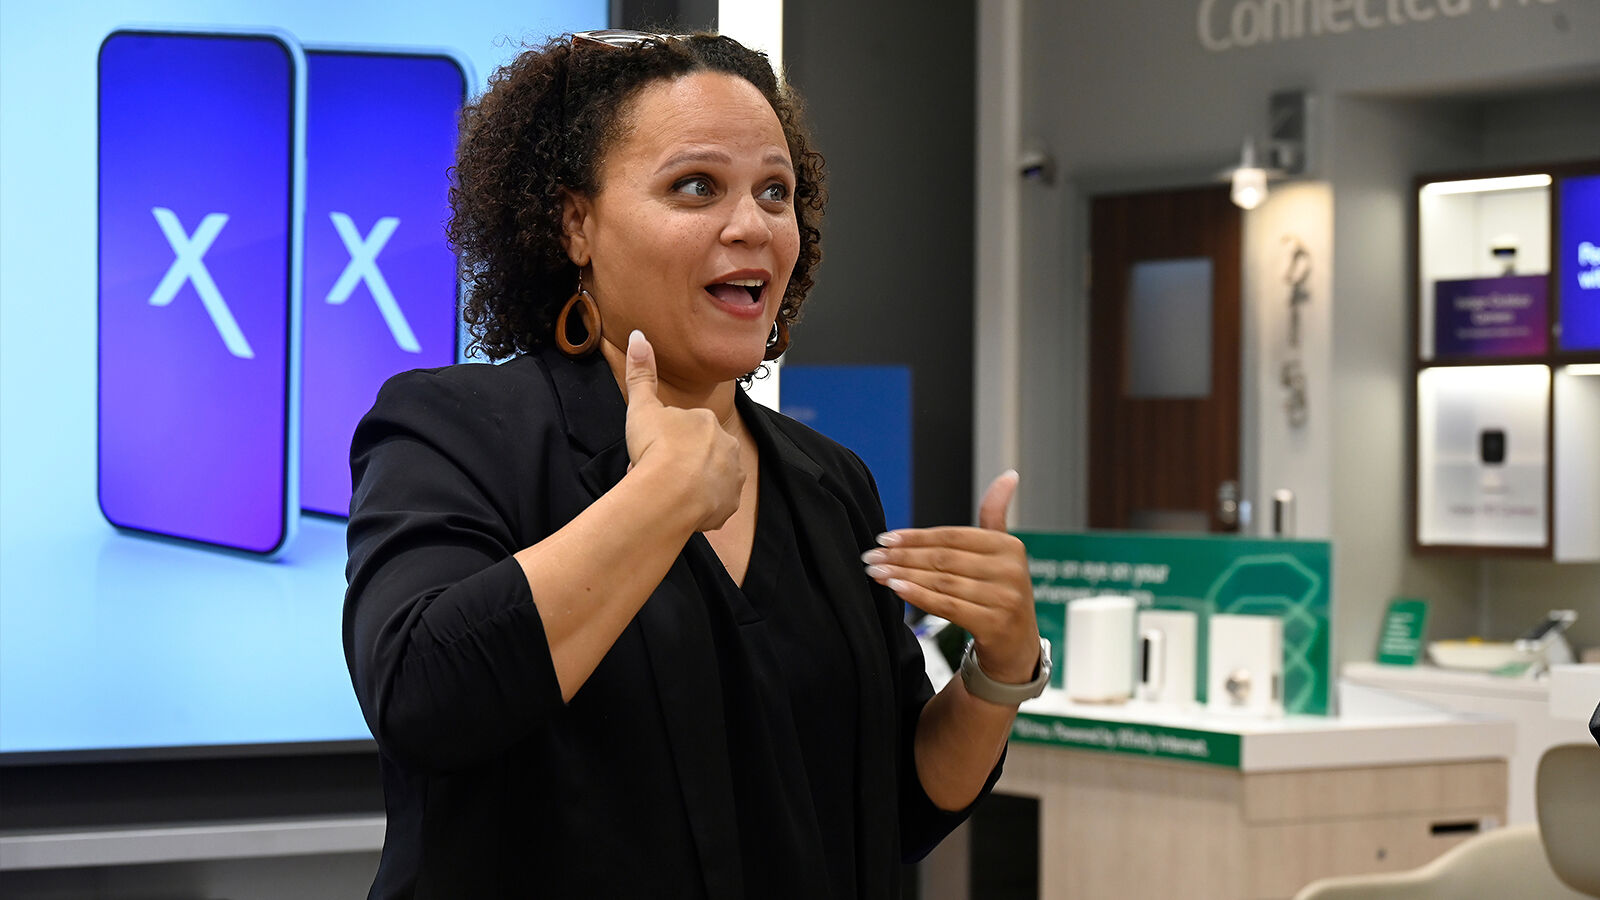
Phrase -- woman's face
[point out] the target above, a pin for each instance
(692, 235)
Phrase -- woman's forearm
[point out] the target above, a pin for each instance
(959, 739)
(592, 576)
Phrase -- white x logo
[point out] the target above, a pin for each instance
(189, 266)
(363, 267)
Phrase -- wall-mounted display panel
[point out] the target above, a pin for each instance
(1482, 458)
(1483, 267)
(1578, 262)
(1507, 307)
(116, 643)
(1577, 462)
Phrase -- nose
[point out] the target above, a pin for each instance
(747, 223)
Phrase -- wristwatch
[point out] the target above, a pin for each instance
(980, 685)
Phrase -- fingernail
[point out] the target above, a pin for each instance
(1012, 473)
(874, 556)
(634, 337)
(888, 539)
(898, 584)
(877, 573)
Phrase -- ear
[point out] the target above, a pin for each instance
(576, 215)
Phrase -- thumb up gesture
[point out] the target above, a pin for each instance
(686, 449)
(975, 577)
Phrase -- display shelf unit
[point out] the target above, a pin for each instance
(1505, 419)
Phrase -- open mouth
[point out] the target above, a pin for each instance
(739, 291)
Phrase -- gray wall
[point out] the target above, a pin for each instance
(889, 89)
(1127, 96)
(1375, 149)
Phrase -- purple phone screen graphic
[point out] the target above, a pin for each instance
(196, 300)
(380, 279)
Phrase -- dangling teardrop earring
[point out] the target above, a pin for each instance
(589, 313)
(779, 340)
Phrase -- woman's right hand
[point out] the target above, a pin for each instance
(687, 449)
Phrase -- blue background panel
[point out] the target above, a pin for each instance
(865, 408)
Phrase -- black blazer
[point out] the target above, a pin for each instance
(494, 786)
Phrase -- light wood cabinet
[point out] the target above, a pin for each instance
(1120, 826)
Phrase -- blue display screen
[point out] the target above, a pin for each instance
(149, 361)
(1578, 261)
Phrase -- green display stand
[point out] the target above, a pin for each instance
(1204, 574)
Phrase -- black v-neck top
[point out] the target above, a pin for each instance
(790, 710)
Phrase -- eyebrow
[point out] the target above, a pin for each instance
(717, 156)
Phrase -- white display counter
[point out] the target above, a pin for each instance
(1526, 703)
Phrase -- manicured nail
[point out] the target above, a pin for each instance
(877, 573)
(898, 584)
(874, 556)
(888, 539)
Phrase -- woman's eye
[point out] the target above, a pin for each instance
(694, 187)
(777, 193)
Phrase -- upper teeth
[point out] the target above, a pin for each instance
(746, 282)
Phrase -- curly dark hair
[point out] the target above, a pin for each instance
(544, 126)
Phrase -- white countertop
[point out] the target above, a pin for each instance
(1445, 681)
(1313, 742)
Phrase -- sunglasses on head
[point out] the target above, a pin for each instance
(623, 38)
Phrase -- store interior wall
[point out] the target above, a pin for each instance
(889, 94)
(1559, 123)
(1380, 145)
(1129, 97)
(1374, 150)
(1278, 453)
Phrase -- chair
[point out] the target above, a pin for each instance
(1568, 795)
(1504, 864)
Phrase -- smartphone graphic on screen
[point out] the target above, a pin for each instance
(200, 176)
(381, 286)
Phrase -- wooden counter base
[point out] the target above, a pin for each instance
(1117, 826)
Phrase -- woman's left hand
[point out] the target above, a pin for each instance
(975, 577)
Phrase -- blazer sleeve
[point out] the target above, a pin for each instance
(922, 823)
(444, 643)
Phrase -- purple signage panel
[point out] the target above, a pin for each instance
(1578, 262)
(381, 284)
(197, 293)
(1506, 316)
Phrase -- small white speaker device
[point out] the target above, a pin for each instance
(1100, 649)
(1245, 665)
(1167, 645)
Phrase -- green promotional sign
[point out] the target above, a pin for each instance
(1187, 744)
(1201, 573)
(1400, 641)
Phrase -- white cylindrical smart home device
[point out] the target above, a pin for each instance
(1100, 649)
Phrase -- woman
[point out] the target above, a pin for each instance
(606, 617)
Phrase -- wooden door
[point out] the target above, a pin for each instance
(1164, 291)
